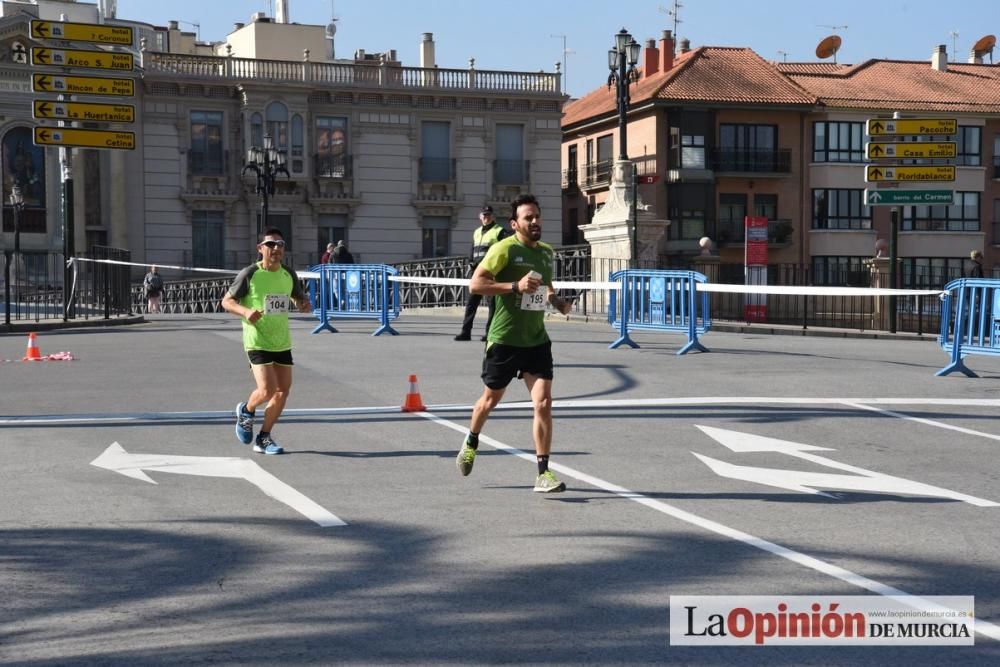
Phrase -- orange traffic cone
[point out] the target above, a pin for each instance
(32, 354)
(413, 402)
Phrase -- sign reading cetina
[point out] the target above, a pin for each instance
(49, 136)
(82, 32)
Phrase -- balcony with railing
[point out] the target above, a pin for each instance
(511, 172)
(733, 232)
(570, 179)
(331, 166)
(356, 75)
(207, 163)
(760, 163)
(596, 174)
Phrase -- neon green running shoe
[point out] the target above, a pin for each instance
(466, 457)
(548, 483)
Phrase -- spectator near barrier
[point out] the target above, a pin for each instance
(341, 255)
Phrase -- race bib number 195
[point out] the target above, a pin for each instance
(534, 301)
(275, 304)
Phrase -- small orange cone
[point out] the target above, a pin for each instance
(413, 402)
(32, 354)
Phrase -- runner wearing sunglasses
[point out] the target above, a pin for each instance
(261, 295)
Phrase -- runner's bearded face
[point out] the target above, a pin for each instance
(528, 223)
(272, 250)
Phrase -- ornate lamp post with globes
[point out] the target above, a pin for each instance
(622, 59)
(266, 163)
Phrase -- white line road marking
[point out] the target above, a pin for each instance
(116, 459)
(210, 415)
(983, 627)
(809, 482)
(926, 422)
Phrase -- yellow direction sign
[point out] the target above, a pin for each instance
(58, 136)
(908, 173)
(95, 113)
(41, 55)
(82, 32)
(880, 150)
(82, 85)
(925, 126)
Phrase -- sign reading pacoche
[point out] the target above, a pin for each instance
(919, 126)
(64, 136)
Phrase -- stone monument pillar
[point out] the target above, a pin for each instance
(610, 232)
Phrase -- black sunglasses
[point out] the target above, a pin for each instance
(273, 244)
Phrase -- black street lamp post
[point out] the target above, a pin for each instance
(622, 59)
(17, 204)
(266, 163)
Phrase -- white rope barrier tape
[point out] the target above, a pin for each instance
(815, 291)
(464, 282)
(305, 275)
(799, 290)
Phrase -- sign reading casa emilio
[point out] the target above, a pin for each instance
(908, 197)
(82, 58)
(880, 150)
(82, 32)
(64, 136)
(936, 126)
(82, 85)
(910, 173)
(85, 111)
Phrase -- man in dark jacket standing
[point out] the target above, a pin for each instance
(489, 232)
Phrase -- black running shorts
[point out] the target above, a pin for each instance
(265, 358)
(502, 363)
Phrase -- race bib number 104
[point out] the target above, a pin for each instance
(275, 304)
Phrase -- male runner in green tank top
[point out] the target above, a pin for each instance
(260, 295)
(517, 272)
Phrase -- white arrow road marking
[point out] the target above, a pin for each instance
(809, 482)
(116, 459)
(984, 628)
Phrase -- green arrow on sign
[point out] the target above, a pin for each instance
(895, 197)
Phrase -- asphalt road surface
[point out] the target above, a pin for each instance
(137, 530)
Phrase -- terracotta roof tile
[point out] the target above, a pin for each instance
(896, 85)
(707, 74)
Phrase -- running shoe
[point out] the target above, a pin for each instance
(265, 445)
(466, 457)
(547, 483)
(244, 424)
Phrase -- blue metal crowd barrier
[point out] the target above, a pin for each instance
(659, 301)
(354, 291)
(970, 321)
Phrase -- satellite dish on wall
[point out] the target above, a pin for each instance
(829, 47)
(984, 46)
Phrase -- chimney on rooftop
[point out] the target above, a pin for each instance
(172, 25)
(666, 51)
(685, 45)
(939, 58)
(650, 59)
(427, 50)
(975, 57)
(281, 11)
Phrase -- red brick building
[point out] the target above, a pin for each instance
(719, 133)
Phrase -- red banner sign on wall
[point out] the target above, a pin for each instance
(755, 261)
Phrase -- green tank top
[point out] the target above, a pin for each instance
(519, 319)
(270, 292)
